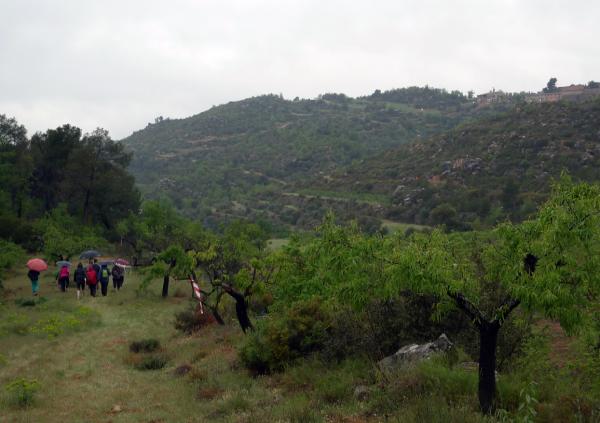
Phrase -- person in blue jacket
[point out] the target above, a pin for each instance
(104, 278)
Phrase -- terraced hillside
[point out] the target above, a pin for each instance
(220, 162)
(480, 172)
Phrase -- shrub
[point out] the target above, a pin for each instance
(280, 339)
(145, 345)
(10, 254)
(385, 326)
(152, 362)
(192, 320)
(21, 392)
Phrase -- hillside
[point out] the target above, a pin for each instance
(480, 172)
(217, 163)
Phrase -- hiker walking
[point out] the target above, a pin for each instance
(63, 277)
(91, 279)
(34, 277)
(96, 267)
(104, 279)
(79, 278)
(117, 277)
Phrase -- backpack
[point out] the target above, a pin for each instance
(91, 277)
(116, 272)
(104, 273)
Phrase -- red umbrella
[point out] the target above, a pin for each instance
(121, 262)
(37, 264)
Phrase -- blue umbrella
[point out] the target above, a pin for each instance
(62, 263)
(89, 254)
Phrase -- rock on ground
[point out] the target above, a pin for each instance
(414, 353)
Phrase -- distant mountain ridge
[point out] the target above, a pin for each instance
(217, 163)
(481, 172)
(415, 155)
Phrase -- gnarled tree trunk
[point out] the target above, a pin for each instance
(488, 339)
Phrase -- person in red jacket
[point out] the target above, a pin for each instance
(63, 278)
(91, 279)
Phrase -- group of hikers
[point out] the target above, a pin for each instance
(92, 275)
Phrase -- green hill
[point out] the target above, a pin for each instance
(221, 162)
(480, 172)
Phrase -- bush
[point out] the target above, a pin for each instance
(20, 232)
(281, 339)
(192, 320)
(385, 326)
(145, 345)
(10, 254)
(21, 392)
(151, 362)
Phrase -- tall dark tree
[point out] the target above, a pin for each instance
(15, 163)
(98, 186)
(51, 152)
(551, 86)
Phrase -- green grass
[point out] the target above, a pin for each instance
(277, 243)
(393, 227)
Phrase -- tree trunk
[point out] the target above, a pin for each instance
(165, 290)
(488, 338)
(241, 310)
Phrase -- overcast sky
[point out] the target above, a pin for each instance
(118, 64)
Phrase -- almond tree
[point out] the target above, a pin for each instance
(550, 265)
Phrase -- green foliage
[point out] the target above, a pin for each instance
(549, 264)
(85, 173)
(151, 362)
(526, 411)
(19, 231)
(21, 392)
(146, 354)
(64, 237)
(10, 255)
(551, 86)
(281, 339)
(60, 320)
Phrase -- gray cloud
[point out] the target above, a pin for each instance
(118, 64)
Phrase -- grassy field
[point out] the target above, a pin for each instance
(78, 351)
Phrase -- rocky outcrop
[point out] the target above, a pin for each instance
(414, 353)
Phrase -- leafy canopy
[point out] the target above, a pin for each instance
(488, 268)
